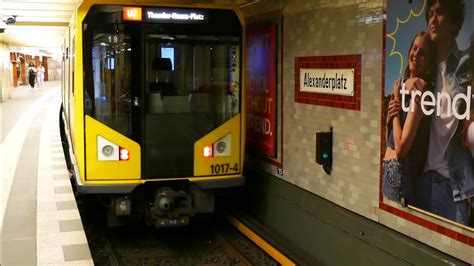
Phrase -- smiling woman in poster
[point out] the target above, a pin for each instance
(401, 164)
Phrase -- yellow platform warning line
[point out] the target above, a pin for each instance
(269, 249)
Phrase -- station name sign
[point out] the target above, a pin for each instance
(329, 81)
(167, 15)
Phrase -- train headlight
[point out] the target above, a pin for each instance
(222, 147)
(108, 150)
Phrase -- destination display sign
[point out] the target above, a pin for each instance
(173, 15)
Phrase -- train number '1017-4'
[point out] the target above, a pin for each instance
(224, 168)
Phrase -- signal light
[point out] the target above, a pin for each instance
(324, 150)
(124, 154)
(207, 152)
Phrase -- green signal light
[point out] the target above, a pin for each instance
(325, 155)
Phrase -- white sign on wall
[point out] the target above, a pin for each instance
(330, 80)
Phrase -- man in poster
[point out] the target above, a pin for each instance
(446, 185)
(447, 182)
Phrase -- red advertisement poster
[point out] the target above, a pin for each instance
(261, 86)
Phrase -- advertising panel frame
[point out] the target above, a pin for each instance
(403, 19)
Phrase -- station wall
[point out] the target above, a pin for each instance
(54, 69)
(5, 72)
(314, 28)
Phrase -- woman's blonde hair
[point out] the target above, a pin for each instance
(428, 76)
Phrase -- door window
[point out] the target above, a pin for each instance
(109, 98)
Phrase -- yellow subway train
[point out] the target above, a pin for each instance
(152, 115)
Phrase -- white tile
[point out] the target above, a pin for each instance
(70, 263)
(47, 228)
(63, 197)
(44, 206)
(60, 183)
(50, 254)
(61, 239)
(60, 171)
(446, 240)
(58, 215)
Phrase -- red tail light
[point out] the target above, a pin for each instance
(124, 154)
(207, 152)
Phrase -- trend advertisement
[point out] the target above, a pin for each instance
(261, 83)
(428, 159)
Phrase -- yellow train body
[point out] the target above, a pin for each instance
(83, 131)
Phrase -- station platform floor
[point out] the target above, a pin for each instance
(40, 222)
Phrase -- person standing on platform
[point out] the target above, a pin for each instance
(40, 75)
(31, 75)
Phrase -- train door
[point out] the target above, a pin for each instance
(168, 138)
(185, 97)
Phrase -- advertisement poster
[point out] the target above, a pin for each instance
(428, 159)
(261, 87)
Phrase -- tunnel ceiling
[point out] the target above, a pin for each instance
(40, 24)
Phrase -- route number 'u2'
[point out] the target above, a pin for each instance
(223, 168)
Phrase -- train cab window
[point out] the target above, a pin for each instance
(107, 97)
(203, 75)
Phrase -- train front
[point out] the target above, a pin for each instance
(162, 109)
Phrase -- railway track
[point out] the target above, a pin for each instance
(210, 242)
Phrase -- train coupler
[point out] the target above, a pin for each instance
(171, 208)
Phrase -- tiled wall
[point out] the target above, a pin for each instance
(54, 69)
(327, 28)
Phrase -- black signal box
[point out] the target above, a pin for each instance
(324, 150)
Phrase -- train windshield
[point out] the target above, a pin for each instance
(192, 74)
(165, 85)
